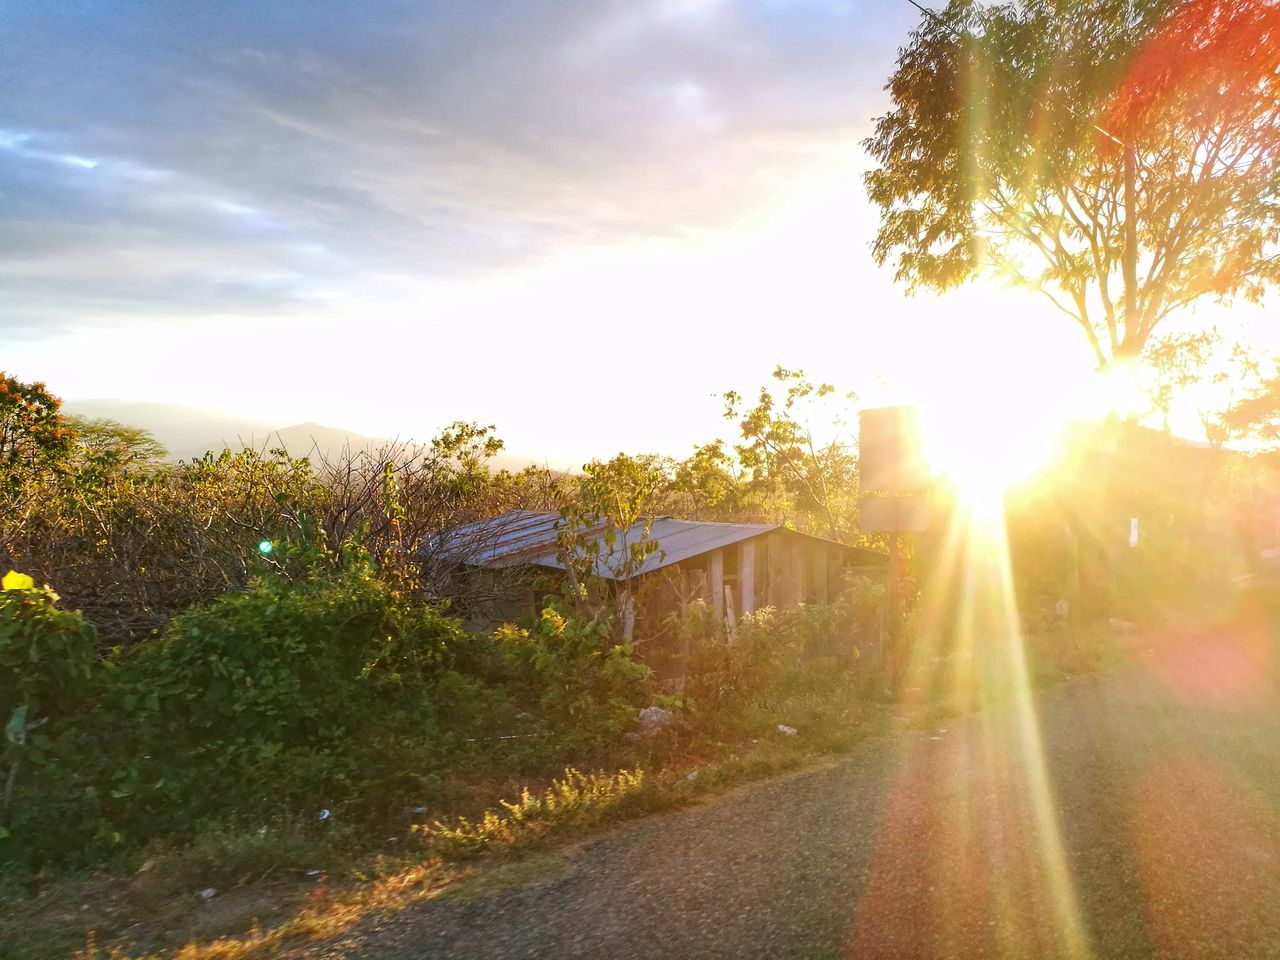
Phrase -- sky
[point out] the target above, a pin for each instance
(580, 220)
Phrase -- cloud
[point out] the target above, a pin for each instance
(188, 160)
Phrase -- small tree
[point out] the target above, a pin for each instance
(1257, 415)
(606, 532)
(104, 445)
(784, 463)
(33, 431)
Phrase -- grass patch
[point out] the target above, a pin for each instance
(574, 801)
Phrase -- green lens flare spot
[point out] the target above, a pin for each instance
(265, 547)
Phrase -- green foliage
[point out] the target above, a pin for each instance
(230, 851)
(188, 532)
(331, 689)
(574, 800)
(290, 676)
(33, 432)
(327, 691)
(46, 658)
(709, 484)
(184, 533)
(105, 446)
(771, 646)
(785, 469)
(605, 529)
(580, 682)
(1257, 414)
(44, 650)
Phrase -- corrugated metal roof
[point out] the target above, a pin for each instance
(529, 537)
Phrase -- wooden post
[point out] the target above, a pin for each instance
(766, 571)
(628, 617)
(796, 564)
(821, 574)
(890, 644)
(747, 576)
(893, 634)
(717, 582)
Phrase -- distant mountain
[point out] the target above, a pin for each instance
(187, 432)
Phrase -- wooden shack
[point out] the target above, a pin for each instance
(735, 567)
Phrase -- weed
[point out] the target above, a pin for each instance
(574, 800)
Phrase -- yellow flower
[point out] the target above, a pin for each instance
(16, 581)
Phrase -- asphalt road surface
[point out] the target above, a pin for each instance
(1133, 815)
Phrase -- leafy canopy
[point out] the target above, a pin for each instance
(33, 431)
(786, 462)
(107, 445)
(1003, 152)
(1257, 414)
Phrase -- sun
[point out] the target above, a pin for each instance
(983, 445)
(1001, 431)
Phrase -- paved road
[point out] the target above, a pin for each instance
(1134, 815)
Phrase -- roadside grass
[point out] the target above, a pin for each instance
(573, 801)
(289, 883)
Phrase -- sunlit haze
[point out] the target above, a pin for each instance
(630, 209)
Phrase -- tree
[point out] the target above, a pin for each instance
(708, 485)
(1257, 415)
(785, 464)
(1045, 140)
(32, 429)
(109, 445)
(607, 530)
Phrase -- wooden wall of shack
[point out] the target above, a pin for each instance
(777, 569)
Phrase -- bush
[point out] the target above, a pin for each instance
(771, 645)
(582, 686)
(44, 651)
(311, 689)
(331, 691)
(231, 851)
(46, 657)
(186, 533)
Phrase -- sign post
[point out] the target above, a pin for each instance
(892, 465)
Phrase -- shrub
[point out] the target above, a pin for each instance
(286, 684)
(46, 657)
(231, 851)
(770, 645)
(44, 650)
(569, 672)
